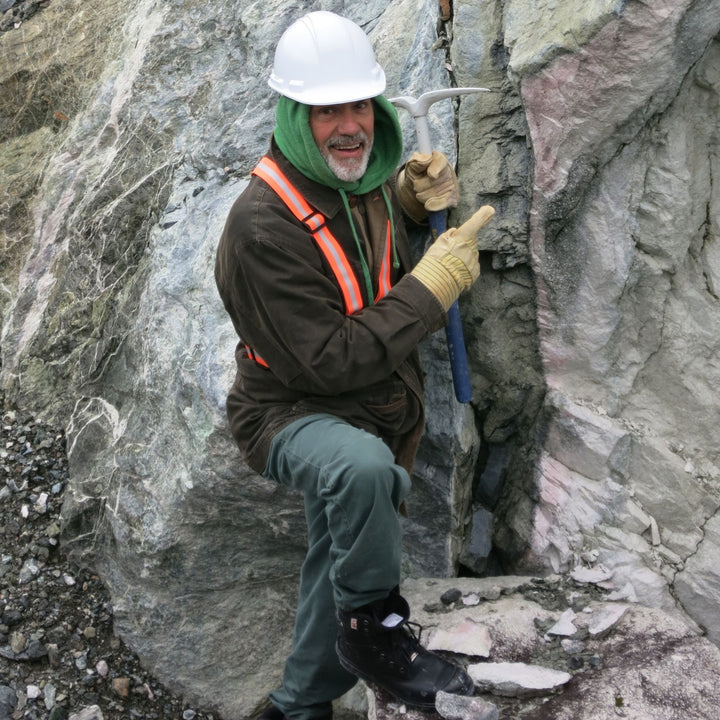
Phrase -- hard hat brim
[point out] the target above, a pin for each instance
(332, 93)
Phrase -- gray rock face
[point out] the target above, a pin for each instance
(617, 127)
(592, 334)
(624, 235)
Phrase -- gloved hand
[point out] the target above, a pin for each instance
(427, 183)
(449, 266)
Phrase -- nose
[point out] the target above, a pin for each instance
(348, 122)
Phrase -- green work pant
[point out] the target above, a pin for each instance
(352, 490)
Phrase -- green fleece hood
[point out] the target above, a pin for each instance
(295, 140)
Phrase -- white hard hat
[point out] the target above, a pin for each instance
(325, 59)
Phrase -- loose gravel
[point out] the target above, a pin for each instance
(59, 657)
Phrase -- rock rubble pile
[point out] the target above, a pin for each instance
(59, 658)
(560, 648)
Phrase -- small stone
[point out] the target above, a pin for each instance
(89, 713)
(11, 617)
(188, 714)
(121, 686)
(471, 600)
(53, 655)
(572, 647)
(18, 642)
(492, 593)
(102, 668)
(41, 503)
(8, 701)
(450, 596)
(627, 592)
(517, 679)
(29, 571)
(460, 707)
(35, 650)
(32, 692)
(435, 608)
(49, 695)
(604, 619)
(654, 532)
(58, 713)
(467, 638)
(89, 632)
(583, 575)
(564, 625)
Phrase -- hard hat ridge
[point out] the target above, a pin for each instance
(325, 59)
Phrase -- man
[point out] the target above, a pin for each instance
(315, 271)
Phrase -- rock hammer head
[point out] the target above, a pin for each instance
(418, 108)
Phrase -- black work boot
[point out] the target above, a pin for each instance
(376, 643)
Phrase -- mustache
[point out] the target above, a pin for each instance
(346, 140)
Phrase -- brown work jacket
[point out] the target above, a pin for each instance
(287, 308)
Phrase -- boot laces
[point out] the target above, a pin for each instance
(409, 634)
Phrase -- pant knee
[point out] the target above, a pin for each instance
(369, 472)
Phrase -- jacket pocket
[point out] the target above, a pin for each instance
(387, 407)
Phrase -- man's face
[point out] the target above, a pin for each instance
(344, 136)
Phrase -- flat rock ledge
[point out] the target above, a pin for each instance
(557, 648)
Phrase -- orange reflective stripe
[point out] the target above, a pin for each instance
(254, 356)
(385, 279)
(343, 272)
(268, 171)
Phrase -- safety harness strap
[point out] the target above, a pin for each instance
(315, 221)
(254, 356)
(269, 171)
(385, 279)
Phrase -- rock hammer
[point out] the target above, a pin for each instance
(418, 108)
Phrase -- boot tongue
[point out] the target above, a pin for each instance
(392, 621)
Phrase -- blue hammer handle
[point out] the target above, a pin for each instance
(454, 329)
(418, 107)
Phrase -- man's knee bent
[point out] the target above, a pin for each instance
(369, 468)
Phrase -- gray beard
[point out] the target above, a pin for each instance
(347, 170)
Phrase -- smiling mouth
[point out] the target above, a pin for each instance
(347, 148)
(348, 145)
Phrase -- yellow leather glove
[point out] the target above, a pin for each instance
(427, 183)
(449, 266)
